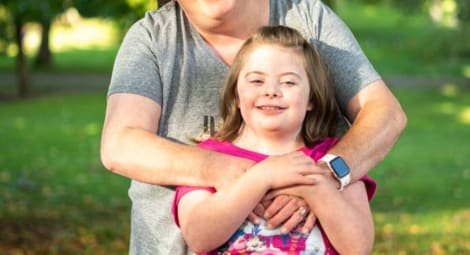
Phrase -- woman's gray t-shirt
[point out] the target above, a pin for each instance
(163, 58)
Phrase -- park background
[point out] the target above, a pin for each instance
(56, 197)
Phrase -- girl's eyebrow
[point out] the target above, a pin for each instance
(263, 73)
(254, 72)
(291, 73)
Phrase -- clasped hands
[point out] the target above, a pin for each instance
(284, 206)
(285, 211)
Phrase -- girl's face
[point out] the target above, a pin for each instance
(273, 91)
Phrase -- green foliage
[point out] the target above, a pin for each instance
(399, 44)
(125, 12)
(464, 11)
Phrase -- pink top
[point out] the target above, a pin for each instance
(256, 239)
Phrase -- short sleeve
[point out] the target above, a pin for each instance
(371, 186)
(180, 192)
(136, 68)
(349, 68)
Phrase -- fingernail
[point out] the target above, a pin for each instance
(269, 226)
(267, 215)
(257, 221)
(283, 231)
(304, 231)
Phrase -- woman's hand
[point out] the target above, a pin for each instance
(292, 169)
(288, 212)
(283, 206)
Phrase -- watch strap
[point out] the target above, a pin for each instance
(327, 158)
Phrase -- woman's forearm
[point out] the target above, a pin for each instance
(145, 157)
(378, 122)
(130, 147)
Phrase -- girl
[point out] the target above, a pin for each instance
(277, 106)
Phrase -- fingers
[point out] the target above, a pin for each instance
(259, 210)
(253, 218)
(309, 223)
(295, 219)
(285, 214)
(277, 204)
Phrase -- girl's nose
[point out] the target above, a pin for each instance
(272, 89)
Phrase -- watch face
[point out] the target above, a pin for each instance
(340, 167)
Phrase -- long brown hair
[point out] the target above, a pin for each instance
(320, 122)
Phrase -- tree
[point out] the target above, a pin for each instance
(19, 13)
(47, 12)
(463, 15)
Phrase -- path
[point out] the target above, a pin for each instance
(71, 82)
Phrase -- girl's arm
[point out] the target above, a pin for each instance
(207, 220)
(345, 216)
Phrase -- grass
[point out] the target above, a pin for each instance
(422, 205)
(57, 198)
(99, 60)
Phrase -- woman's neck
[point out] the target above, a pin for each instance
(226, 34)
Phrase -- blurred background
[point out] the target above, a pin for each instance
(56, 59)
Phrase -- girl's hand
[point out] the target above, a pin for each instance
(284, 170)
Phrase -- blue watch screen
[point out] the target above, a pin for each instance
(340, 167)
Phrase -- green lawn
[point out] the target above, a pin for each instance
(422, 205)
(57, 198)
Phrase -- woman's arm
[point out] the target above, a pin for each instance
(207, 220)
(377, 122)
(130, 147)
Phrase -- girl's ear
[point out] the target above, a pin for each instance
(309, 106)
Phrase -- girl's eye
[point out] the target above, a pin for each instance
(289, 83)
(256, 81)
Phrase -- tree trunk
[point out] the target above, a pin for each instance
(44, 56)
(21, 65)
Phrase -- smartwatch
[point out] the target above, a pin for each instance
(339, 168)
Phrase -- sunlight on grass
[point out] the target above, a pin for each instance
(449, 90)
(461, 113)
(464, 115)
(466, 71)
(403, 233)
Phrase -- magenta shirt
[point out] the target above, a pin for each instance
(241, 237)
